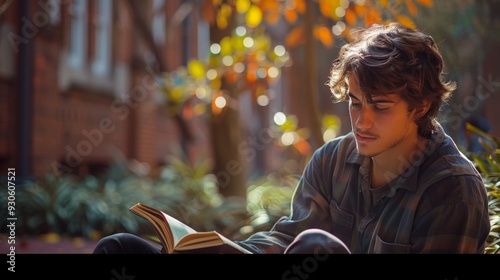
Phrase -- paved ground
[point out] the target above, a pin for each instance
(44, 245)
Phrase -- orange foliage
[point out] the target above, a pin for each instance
(411, 7)
(290, 15)
(300, 6)
(426, 3)
(405, 21)
(324, 34)
(272, 17)
(368, 13)
(372, 17)
(252, 72)
(360, 10)
(350, 17)
(223, 13)
(326, 7)
(384, 3)
(271, 10)
(302, 146)
(295, 37)
(269, 5)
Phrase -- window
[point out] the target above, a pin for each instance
(52, 7)
(102, 23)
(78, 33)
(203, 39)
(159, 22)
(87, 60)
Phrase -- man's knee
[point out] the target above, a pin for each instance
(316, 241)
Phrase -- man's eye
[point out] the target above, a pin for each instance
(355, 105)
(381, 109)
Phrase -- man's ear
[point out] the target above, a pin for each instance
(421, 111)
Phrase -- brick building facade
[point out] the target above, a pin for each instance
(77, 86)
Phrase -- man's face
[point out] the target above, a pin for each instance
(384, 127)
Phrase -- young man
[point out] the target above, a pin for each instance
(397, 182)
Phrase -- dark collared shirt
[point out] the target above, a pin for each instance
(437, 205)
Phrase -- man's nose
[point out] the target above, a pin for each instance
(365, 118)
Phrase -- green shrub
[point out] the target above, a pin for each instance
(488, 164)
(93, 207)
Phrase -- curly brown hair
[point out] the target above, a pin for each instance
(394, 59)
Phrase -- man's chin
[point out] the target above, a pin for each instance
(366, 152)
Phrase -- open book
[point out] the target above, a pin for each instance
(177, 237)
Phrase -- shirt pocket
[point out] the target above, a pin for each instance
(382, 247)
(343, 222)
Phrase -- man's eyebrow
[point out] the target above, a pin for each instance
(379, 101)
(353, 96)
(383, 101)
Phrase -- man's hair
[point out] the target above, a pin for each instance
(394, 59)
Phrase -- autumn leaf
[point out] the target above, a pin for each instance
(326, 7)
(324, 34)
(226, 46)
(237, 43)
(300, 6)
(223, 14)
(196, 69)
(302, 146)
(372, 17)
(295, 37)
(253, 16)
(331, 121)
(271, 10)
(384, 3)
(411, 7)
(290, 15)
(360, 9)
(216, 83)
(272, 17)
(242, 6)
(426, 3)
(176, 95)
(405, 21)
(252, 72)
(269, 6)
(350, 17)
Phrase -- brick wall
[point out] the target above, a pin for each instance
(79, 127)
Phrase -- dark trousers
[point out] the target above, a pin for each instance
(311, 241)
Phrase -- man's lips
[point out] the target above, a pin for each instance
(364, 138)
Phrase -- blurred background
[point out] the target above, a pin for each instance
(206, 109)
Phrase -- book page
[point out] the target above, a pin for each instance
(207, 238)
(157, 220)
(213, 241)
(178, 228)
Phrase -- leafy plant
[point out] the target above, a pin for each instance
(93, 207)
(488, 163)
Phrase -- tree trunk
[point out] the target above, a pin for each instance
(310, 71)
(226, 134)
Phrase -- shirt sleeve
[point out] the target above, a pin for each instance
(309, 209)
